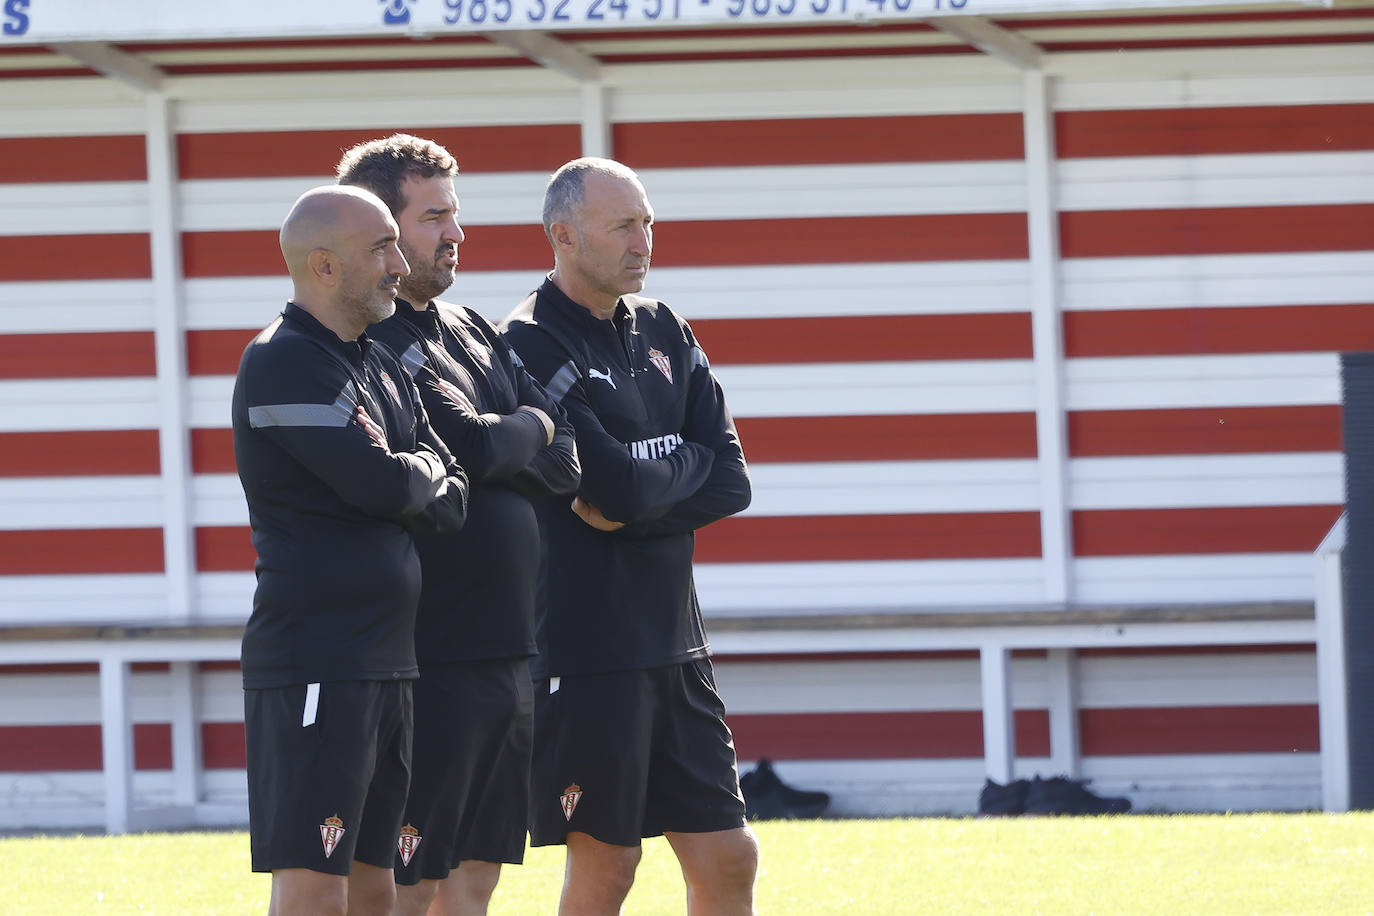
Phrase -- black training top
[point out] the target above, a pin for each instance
(331, 511)
(659, 452)
(480, 583)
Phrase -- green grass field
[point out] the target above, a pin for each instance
(1251, 864)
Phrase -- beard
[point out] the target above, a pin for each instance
(426, 279)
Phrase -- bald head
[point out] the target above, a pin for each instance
(339, 244)
(323, 218)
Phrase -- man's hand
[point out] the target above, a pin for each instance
(543, 418)
(592, 516)
(375, 432)
(455, 396)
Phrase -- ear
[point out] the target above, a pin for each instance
(563, 235)
(323, 266)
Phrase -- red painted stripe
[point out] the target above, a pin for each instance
(76, 454)
(76, 748)
(1256, 41)
(306, 44)
(212, 451)
(113, 158)
(959, 734)
(937, 735)
(115, 256)
(349, 65)
(912, 437)
(86, 550)
(1262, 329)
(1188, 18)
(842, 240)
(786, 54)
(41, 73)
(1199, 730)
(282, 154)
(1229, 529)
(932, 735)
(1212, 131)
(216, 352)
(1232, 230)
(800, 141)
(93, 668)
(779, 539)
(1205, 431)
(110, 354)
(865, 338)
(640, 36)
(226, 548)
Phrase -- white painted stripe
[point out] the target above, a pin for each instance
(1090, 284)
(217, 499)
(76, 208)
(359, 100)
(33, 503)
(1157, 182)
(815, 88)
(97, 403)
(95, 598)
(1134, 681)
(1195, 579)
(67, 305)
(1187, 281)
(1203, 381)
(820, 488)
(884, 487)
(770, 192)
(1184, 78)
(226, 596)
(1296, 479)
(517, 198)
(838, 686)
(840, 389)
(799, 291)
(761, 589)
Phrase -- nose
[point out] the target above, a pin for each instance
(454, 232)
(642, 241)
(397, 263)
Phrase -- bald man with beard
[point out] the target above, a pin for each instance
(340, 468)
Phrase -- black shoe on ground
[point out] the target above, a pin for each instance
(766, 797)
(1060, 795)
(997, 800)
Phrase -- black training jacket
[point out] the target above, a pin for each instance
(332, 512)
(658, 451)
(480, 583)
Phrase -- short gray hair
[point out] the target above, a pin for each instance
(568, 186)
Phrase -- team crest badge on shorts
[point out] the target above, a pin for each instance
(662, 362)
(331, 831)
(571, 796)
(407, 843)
(390, 387)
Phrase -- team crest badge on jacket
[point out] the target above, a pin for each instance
(331, 831)
(390, 387)
(570, 797)
(662, 363)
(407, 843)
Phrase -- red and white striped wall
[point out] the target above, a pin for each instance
(849, 237)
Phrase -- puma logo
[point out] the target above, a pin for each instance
(604, 376)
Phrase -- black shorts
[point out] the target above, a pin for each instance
(327, 786)
(471, 776)
(633, 754)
